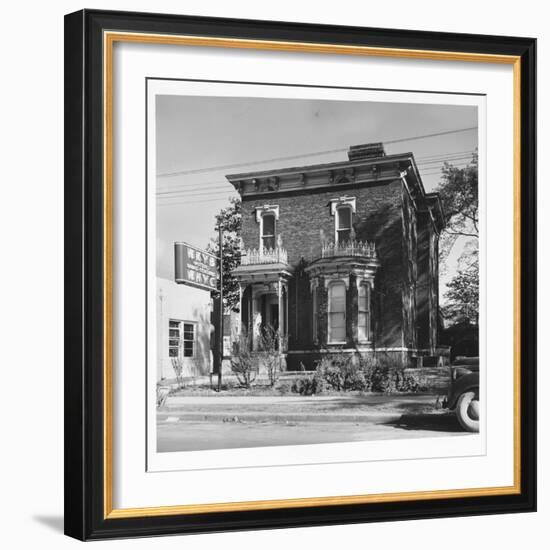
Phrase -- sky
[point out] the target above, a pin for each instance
(201, 139)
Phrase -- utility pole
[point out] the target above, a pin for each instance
(219, 342)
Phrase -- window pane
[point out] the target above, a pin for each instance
(338, 298)
(173, 343)
(269, 224)
(362, 326)
(338, 327)
(268, 242)
(344, 235)
(338, 305)
(188, 332)
(337, 310)
(338, 290)
(338, 320)
(344, 218)
(174, 333)
(314, 311)
(174, 324)
(188, 349)
(173, 352)
(363, 298)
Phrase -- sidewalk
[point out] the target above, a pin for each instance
(284, 409)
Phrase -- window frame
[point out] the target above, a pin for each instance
(340, 208)
(262, 236)
(331, 286)
(367, 312)
(315, 312)
(181, 338)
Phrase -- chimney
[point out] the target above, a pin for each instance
(366, 151)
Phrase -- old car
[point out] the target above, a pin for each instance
(463, 394)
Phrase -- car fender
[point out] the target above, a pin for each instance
(468, 382)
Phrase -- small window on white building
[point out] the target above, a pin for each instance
(181, 336)
(337, 313)
(343, 220)
(268, 231)
(363, 314)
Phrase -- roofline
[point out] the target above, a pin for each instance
(320, 167)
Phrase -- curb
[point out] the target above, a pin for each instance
(174, 417)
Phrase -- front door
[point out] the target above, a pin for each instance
(274, 316)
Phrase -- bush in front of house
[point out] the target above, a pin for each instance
(342, 372)
(243, 364)
(270, 343)
(346, 372)
(393, 380)
(385, 376)
(309, 386)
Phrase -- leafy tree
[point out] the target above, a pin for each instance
(463, 295)
(230, 220)
(459, 193)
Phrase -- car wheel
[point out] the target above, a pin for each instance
(467, 411)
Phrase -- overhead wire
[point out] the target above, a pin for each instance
(304, 155)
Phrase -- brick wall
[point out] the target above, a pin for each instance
(301, 219)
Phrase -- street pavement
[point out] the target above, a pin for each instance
(190, 423)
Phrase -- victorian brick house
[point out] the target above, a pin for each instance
(342, 257)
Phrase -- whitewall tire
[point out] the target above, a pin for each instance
(467, 411)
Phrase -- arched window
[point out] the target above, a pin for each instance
(363, 312)
(343, 224)
(337, 313)
(268, 231)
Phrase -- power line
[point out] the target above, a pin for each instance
(171, 203)
(227, 192)
(220, 184)
(194, 190)
(223, 188)
(296, 157)
(223, 192)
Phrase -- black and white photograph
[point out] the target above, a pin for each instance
(303, 293)
(316, 268)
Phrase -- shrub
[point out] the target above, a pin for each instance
(271, 342)
(342, 372)
(177, 365)
(284, 388)
(308, 386)
(387, 377)
(243, 363)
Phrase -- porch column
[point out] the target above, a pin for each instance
(281, 312)
(239, 332)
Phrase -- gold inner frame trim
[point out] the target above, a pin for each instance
(109, 39)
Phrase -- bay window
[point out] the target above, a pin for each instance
(337, 313)
(363, 312)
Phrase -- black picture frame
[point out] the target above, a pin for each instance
(85, 517)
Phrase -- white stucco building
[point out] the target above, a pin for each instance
(183, 329)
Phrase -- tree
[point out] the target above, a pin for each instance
(463, 295)
(459, 194)
(230, 220)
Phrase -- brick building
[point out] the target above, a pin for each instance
(342, 257)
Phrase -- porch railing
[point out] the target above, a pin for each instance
(265, 256)
(351, 248)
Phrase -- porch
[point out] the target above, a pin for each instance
(263, 294)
